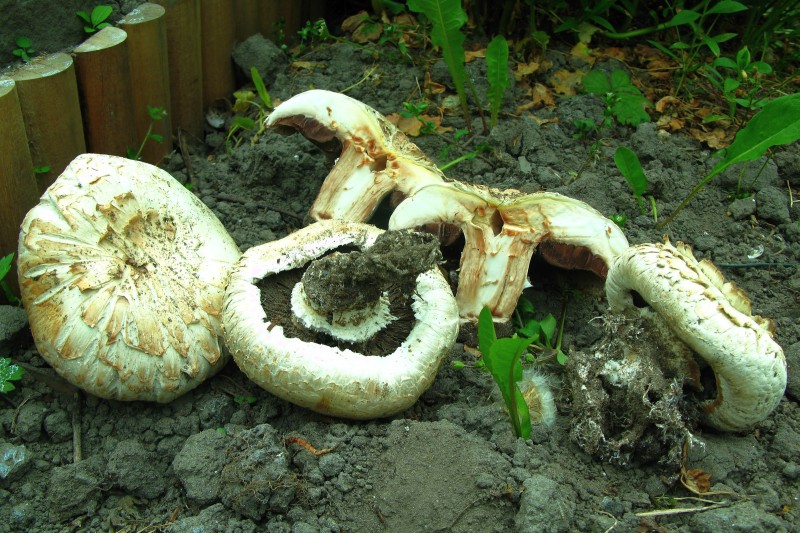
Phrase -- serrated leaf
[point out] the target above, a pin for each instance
(630, 109)
(497, 74)
(596, 82)
(726, 7)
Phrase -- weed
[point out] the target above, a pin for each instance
(23, 49)
(502, 359)
(41, 170)
(314, 32)
(246, 99)
(9, 372)
(416, 110)
(777, 123)
(631, 169)
(497, 72)
(545, 334)
(5, 268)
(624, 101)
(156, 114)
(738, 80)
(242, 399)
(97, 20)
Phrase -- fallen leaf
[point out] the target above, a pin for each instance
(368, 32)
(565, 82)
(473, 351)
(581, 51)
(667, 101)
(306, 65)
(669, 123)
(471, 55)
(696, 480)
(525, 69)
(431, 87)
(540, 96)
(351, 23)
(716, 138)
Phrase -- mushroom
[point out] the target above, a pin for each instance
(374, 158)
(714, 319)
(122, 273)
(502, 230)
(318, 346)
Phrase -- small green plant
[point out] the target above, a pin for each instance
(546, 334)
(314, 32)
(503, 360)
(739, 81)
(245, 99)
(447, 17)
(41, 170)
(242, 399)
(5, 268)
(156, 114)
(96, 20)
(9, 372)
(497, 73)
(777, 123)
(623, 100)
(631, 169)
(416, 110)
(23, 49)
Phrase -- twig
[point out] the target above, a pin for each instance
(686, 510)
(77, 451)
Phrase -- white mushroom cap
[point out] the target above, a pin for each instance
(711, 317)
(322, 378)
(122, 274)
(376, 158)
(502, 230)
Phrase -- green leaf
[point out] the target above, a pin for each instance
(5, 265)
(8, 373)
(83, 15)
(549, 325)
(246, 123)
(505, 366)
(447, 17)
(596, 82)
(486, 333)
(157, 137)
(712, 45)
(725, 62)
(630, 109)
(497, 74)
(24, 42)
(686, 16)
(631, 168)
(776, 124)
(99, 15)
(726, 7)
(260, 87)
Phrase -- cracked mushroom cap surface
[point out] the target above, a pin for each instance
(330, 380)
(714, 319)
(374, 158)
(122, 272)
(502, 229)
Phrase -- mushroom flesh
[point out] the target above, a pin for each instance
(285, 354)
(122, 272)
(714, 319)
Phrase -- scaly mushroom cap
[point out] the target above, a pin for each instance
(501, 232)
(122, 273)
(711, 317)
(329, 380)
(374, 157)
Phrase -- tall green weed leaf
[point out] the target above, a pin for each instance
(502, 359)
(776, 124)
(497, 72)
(447, 17)
(631, 168)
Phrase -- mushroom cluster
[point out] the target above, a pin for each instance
(131, 284)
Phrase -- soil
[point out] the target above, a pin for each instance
(229, 457)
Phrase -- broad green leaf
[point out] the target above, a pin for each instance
(260, 87)
(5, 265)
(726, 7)
(712, 45)
(684, 17)
(596, 82)
(776, 124)
(497, 73)
(486, 333)
(620, 80)
(549, 325)
(631, 168)
(724, 37)
(506, 369)
(725, 62)
(99, 14)
(630, 109)
(447, 17)
(730, 85)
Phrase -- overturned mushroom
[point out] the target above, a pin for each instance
(502, 230)
(320, 348)
(374, 158)
(122, 273)
(714, 319)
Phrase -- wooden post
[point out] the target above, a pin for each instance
(104, 82)
(146, 27)
(185, 65)
(20, 192)
(247, 17)
(219, 35)
(269, 13)
(48, 96)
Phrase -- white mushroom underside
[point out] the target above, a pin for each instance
(749, 365)
(122, 272)
(323, 378)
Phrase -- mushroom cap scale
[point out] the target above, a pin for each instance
(122, 273)
(712, 318)
(329, 380)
